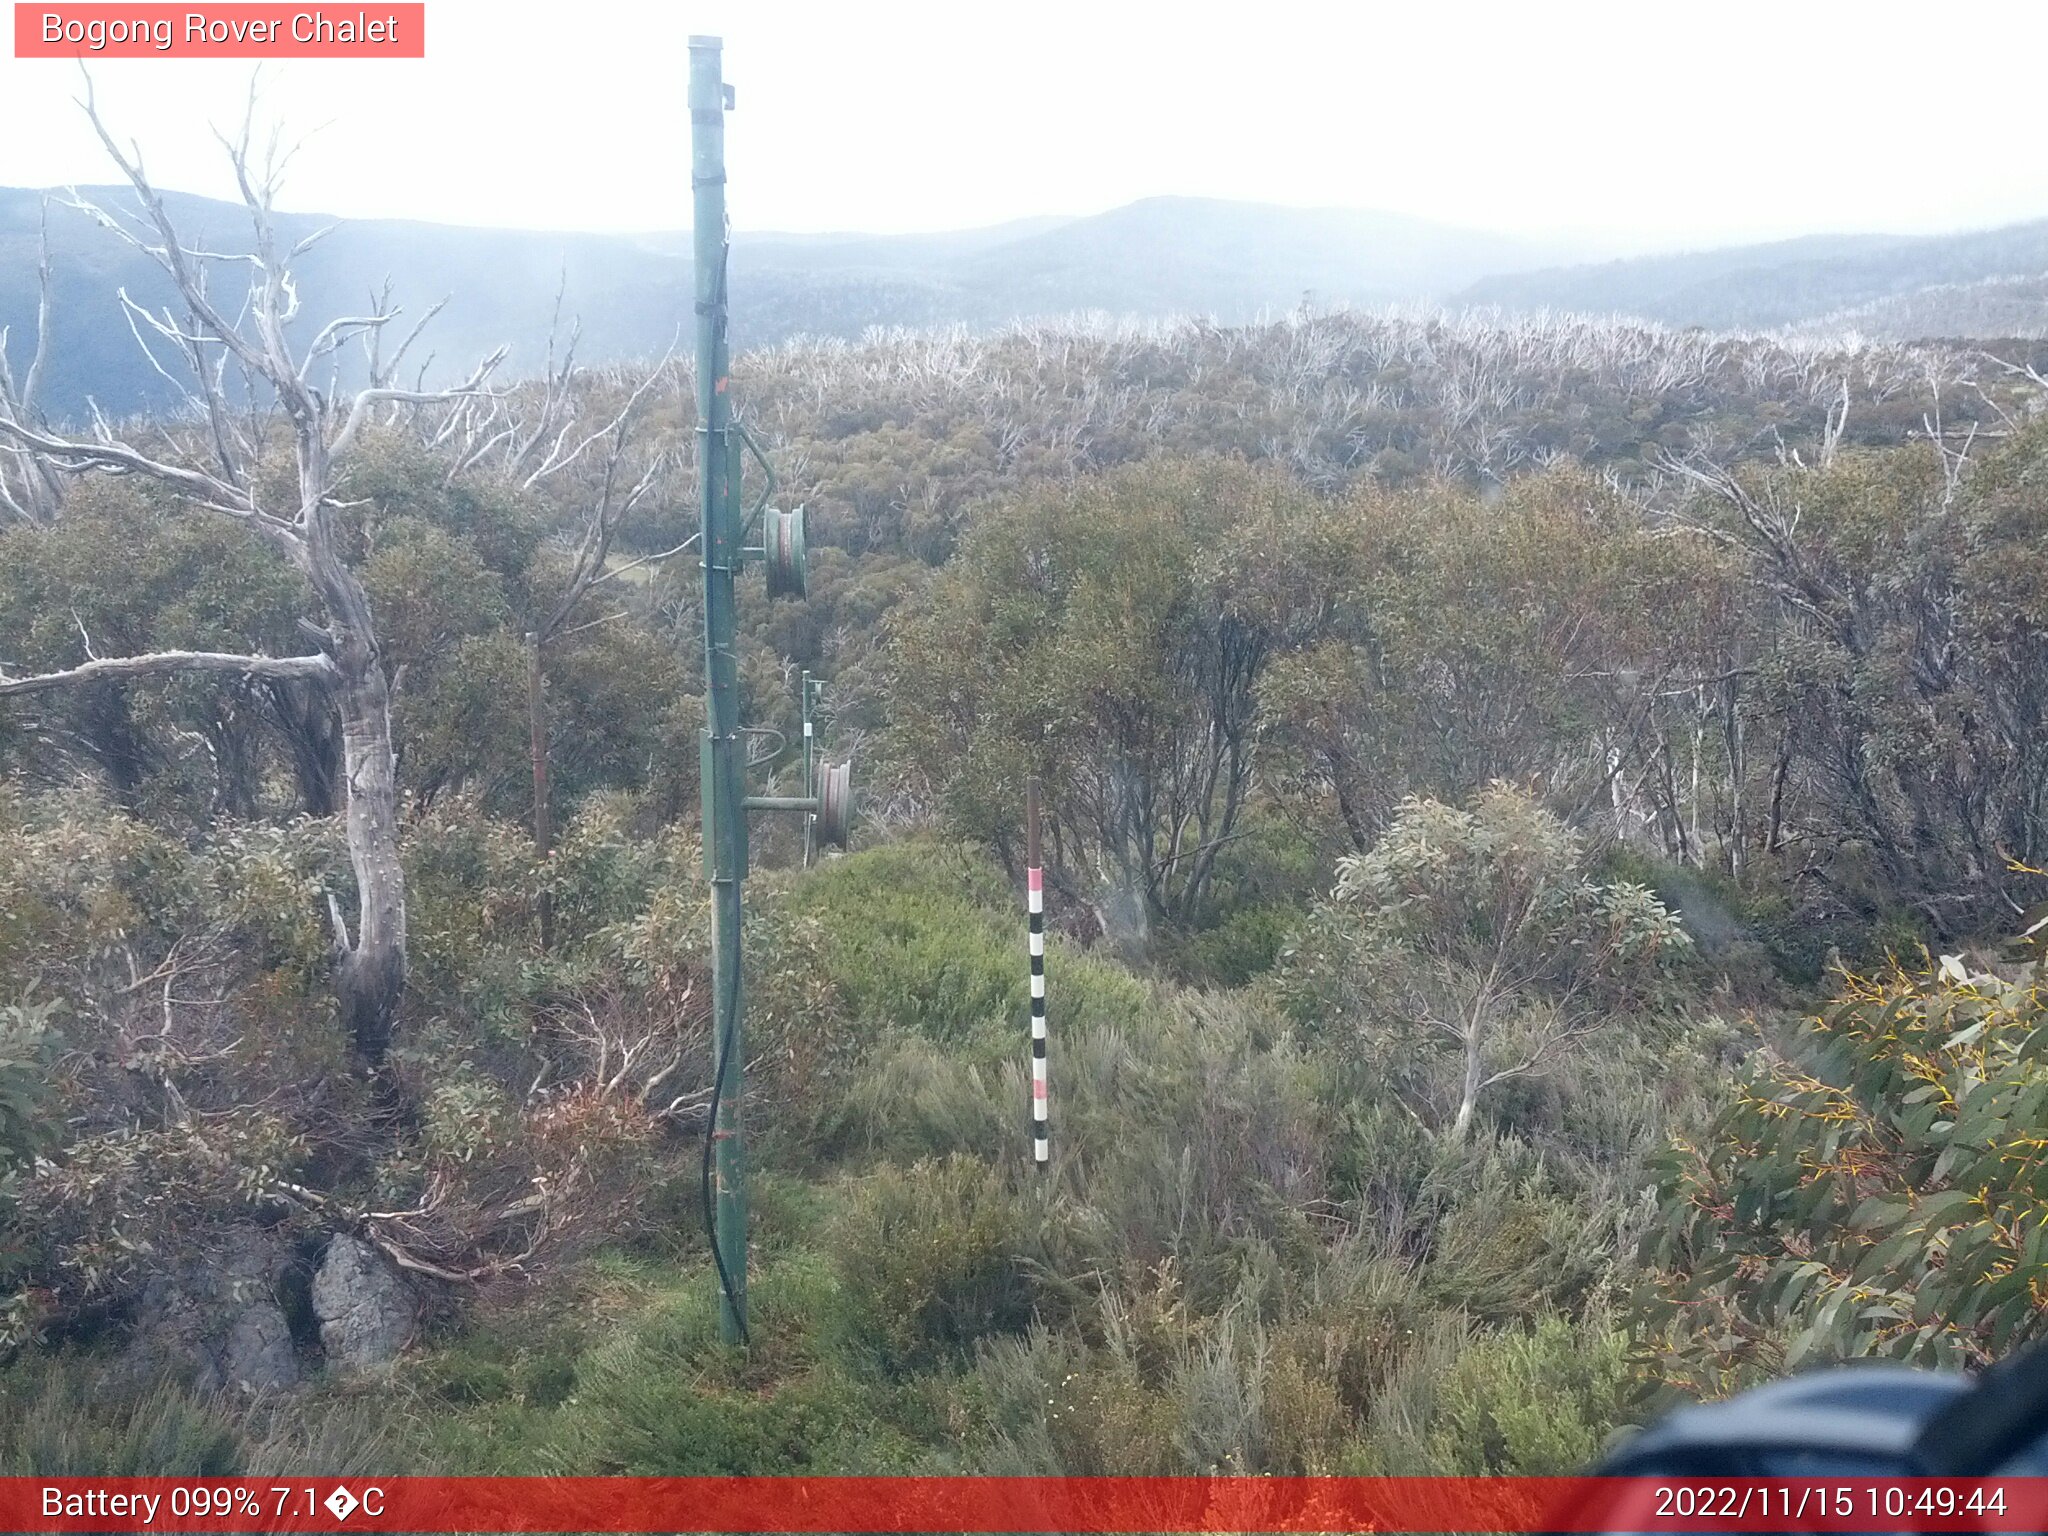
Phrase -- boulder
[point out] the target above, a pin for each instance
(215, 1322)
(367, 1311)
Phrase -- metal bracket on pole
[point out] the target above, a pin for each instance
(767, 469)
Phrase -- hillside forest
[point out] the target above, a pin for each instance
(1545, 847)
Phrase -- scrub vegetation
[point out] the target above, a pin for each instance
(1544, 847)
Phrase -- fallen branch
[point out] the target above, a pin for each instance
(314, 668)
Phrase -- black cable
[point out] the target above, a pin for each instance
(731, 1011)
(725, 1280)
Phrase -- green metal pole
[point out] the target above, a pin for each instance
(724, 819)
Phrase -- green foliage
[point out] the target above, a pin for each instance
(1479, 934)
(1109, 635)
(266, 884)
(1481, 638)
(1873, 1189)
(56, 1422)
(65, 1415)
(1263, 879)
(1235, 642)
(28, 1044)
(126, 571)
(1503, 879)
(400, 482)
(119, 1202)
(601, 874)
(76, 881)
(1044, 1404)
(1179, 1288)
(207, 1083)
(1914, 647)
(431, 590)
(1535, 1401)
(470, 885)
(1244, 945)
(660, 1396)
(894, 982)
(910, 1098)
(913, 941)
(930, 1258)
(1164, 1392)
(465, 720)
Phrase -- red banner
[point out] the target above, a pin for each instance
(1004, 1505)
(237, 31)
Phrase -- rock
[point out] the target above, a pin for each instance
(366, 1310)
(215, 1322)
(259, 1355)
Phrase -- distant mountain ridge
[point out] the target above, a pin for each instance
(632, 293)
(2012, 307)
(1159, 256)
(1780, 284)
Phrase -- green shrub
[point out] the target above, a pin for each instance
(1352, 1320)
(1872, 1188)
(72, 1415)
(1043, 1404)
(78, 881)
(910, 947)
(1196, 1133)
(601, 873)
(1522, 1402)
(1242, 946)
(1166, 1392)
(930, 1258)
(28, 1044)
(910, 1099)
(821, 1422)
(1502, 1245)
(470, 883)
(56, 1420)
(890, 990)
(659, 1395)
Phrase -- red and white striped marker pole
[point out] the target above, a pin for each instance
(1034, 878)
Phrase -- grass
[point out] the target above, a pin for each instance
(1241, 1261)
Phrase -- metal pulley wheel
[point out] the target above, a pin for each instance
(835, 805)
(782, 539)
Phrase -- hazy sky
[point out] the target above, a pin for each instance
(1646, 123)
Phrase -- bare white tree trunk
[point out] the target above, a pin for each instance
(1468, 1098)
(370, 971)
(226, 479)
(29, 488)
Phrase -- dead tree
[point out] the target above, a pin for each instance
(226, 477)
(618, 493)
(29, 488)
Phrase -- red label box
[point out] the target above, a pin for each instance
(378, 30)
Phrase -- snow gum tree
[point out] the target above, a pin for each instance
(288, 397)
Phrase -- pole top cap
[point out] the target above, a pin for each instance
(702, 41)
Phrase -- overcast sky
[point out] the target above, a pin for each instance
(1645, 124)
